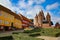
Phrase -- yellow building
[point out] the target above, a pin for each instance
(9, 19)
(17, 22)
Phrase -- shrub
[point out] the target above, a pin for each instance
(6, 38)
(32, 31)
(27, 31)
(15, 32)
(23, 36)
(57, 35)
(45, 31)
(35, 34)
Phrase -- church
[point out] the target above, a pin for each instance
(41, 21)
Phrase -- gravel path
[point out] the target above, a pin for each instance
(49, 38)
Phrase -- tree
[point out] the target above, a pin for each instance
(51, 23)
(31, 20)
(57, 25)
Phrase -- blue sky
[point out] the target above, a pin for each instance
(30, 8)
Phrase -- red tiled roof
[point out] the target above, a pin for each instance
(25, 18)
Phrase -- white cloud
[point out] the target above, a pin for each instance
(35, 10)
(22, 4)
(55, 19)
(28, 6)
(30, 2)
(39, 1)
(6, 3)
(52, 6)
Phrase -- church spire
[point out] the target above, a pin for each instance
(40, 18)
(36, 20)
(48, 18)
(36, 16)
(41, 14)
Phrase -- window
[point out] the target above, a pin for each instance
(6, 22)
(0, 21)
(0, 13)
(5, 15)
(25, 21)
(11, 17)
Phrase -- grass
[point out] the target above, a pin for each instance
(44, 32)
(31, 34)
(35, 34)
(33, 31)
(49, 32)
(19, 36)
(23, 36)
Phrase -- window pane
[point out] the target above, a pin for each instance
(0, 21)
(6, 22)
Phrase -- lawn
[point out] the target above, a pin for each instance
(50, 32)
(44, 32)
(23, 36)
(31, 34)
(19, 36)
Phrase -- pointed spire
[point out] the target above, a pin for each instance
(36, 16)
(41, 10)
(48, 15)
(43, 14)
(48, 18)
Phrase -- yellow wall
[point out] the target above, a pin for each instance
(7, 19)
(17, 23)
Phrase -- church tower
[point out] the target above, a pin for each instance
(40, 18)
(42, 14)
(36, 20)
(48, 18)
(41, 21)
